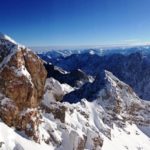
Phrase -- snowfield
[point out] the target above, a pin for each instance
(14, 141)
(130, 138)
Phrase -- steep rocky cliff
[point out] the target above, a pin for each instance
(22, 81)
(22, 74)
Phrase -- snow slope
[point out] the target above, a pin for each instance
(114, 119)
(6, 37)
(54, 91)
(14, 141)
(130, 138)
(8, 47)
(69, 134)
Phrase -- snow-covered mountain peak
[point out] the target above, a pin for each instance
(4, 37)
(108, 80)
(115, 95)
(112, 93)
(116, 107)
(8, 48)
(22, 80)
(18, 64)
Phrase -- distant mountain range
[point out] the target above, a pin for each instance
(131, 65)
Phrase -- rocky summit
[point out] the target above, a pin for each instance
(22, 80)
(22, 74)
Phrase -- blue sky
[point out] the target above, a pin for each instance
(76, 22)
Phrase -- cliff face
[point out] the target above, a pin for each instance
(22, 81)
(22, 75)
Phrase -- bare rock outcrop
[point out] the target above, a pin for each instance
(22, 81)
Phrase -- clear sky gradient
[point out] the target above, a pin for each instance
(76, 22)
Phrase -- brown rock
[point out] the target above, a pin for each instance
(82, 142)
(29, 123)
(98, 142)
(58, 112)
(25, 90)
(22, 80)
(8, 112)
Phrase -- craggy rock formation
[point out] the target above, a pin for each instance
(115, 97)
(22, 81)
(22, 76)
(75, 78)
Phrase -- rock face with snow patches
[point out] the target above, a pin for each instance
(87, 125)
(22, 81)
(22, 75)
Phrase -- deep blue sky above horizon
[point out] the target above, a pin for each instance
(76, 22)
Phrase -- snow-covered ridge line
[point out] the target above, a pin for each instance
(6, 37)
(8, 41)
(9, 47)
